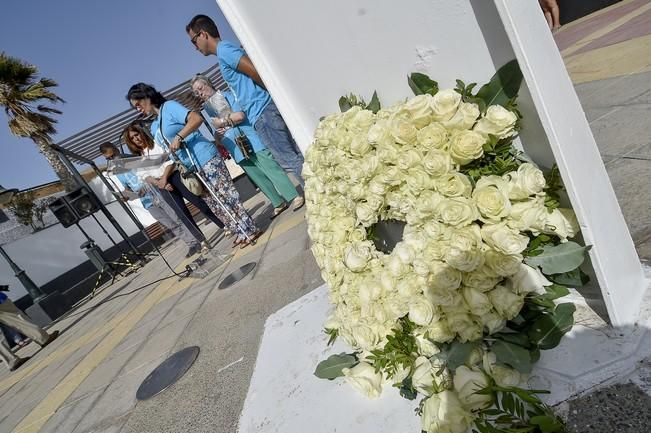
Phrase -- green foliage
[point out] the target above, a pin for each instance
(350, 101)
(332, 367)
(457, 353)
(332, 335)
(546, 332)
(512, 355)
(22, 206)
(536, 243)
(421, 84)
(553, 186)
(374, 105)
(397, 352)
(466, 95)
(503, 87)
(517, 410)
(500, 157)
(573, 278)
(558, 259)
(407, 389)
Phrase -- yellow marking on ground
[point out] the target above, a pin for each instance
(35, 420)
(605, 30)
(625, 58)
(282, 227)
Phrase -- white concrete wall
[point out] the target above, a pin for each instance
(311, 53)
(48, 253)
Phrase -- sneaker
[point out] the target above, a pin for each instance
(194, 249)
(298, 203)
(53, 336)
(18, 363)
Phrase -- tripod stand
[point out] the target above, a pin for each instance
(97, 258)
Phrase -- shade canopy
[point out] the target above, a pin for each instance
(86, 143)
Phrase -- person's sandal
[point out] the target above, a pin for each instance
(280, 209)
(298, 203)
(251, 239)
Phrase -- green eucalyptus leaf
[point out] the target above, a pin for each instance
(503, 86)
(574, 278)
(513, 355)
(557, 259)
(556, 291)
(374, 105)
(547, 331)
(344, 104)
(547, 423)
(333, 366)
(513, 337)
(421, 84)
(459, 353)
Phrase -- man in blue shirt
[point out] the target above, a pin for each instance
(249, 90)
(11, 316)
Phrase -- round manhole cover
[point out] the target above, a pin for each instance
(236, 276)
(167, 373)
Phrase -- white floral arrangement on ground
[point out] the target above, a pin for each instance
(459, 309)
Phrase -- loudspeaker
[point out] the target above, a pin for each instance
(83, 202)
(76, 205)
(63, 212)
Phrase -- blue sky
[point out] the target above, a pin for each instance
(95, 50)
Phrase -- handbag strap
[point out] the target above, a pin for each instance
(167, 142)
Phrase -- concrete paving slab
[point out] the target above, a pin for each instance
(614, 91)
(623, 130)
(68, 417)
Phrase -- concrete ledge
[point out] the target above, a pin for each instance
(285, 396)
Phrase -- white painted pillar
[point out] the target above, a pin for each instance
(310, 53)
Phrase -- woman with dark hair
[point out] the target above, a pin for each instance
(140, 143)
(175, 128)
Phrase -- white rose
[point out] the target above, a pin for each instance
(477, 301)
(418, 180)
(437, 162)
(403, 131)
(526, 181)
(360, 146)
(562, 223)
(492, 321)
(433, 229)
(491, 195)
(503, 376)
(497, 121)
(388, 152)
(464, 118)
(421, 311)
(426, 207)
(364, 379)
(419, 110)
(527, 280)
(358, 255)
(443, 276)
(433, 136)
(454, 184)
(366, 213)
(379, 133)
(357, 235)
(466, 146)
(504, 239)
(463, 251)
(529, 215)
(483, 278)
(395, 266)
(467, 381)
(360, 122)
(457, 211)
(409, 158)
(429, 377)
(506, 303)
(502, 264)
(465, 326)
(439, 332)
(400, 374)
(425, 346)
(444, 413)
(445, 104)
(367, 334)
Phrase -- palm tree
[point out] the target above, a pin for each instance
(20, 89)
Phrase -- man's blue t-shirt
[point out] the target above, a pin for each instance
(252, 98)
(174, 115)
(3, 297)
(131, 181)
(228, 140)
